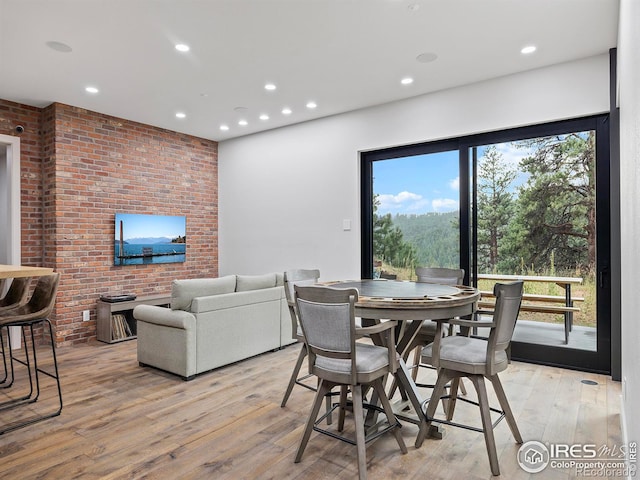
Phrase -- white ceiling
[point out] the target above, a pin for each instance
(342, 54)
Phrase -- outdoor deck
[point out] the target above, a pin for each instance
(528, 331)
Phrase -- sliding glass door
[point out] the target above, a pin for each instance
(529, 203)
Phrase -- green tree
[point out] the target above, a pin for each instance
(495, 207)
(434, 235)
(557, 204)
(388, 241)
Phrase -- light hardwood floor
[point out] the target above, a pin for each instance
(124, 421)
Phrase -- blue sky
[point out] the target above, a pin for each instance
(417, 184)
(430, 183)
(138, 226)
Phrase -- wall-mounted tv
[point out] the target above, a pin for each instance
(149, 239)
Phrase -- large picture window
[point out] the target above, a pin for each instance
(526, 203)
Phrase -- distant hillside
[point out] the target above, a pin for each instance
(148, 240)
(435, 236)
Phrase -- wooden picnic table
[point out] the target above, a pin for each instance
(567, 308)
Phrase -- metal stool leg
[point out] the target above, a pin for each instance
(38, 370)
(27, 363)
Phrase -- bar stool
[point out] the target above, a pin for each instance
(17, 293)
(15, 297)
(36, 311)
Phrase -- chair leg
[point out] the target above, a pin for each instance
(391, 418)
(453, 395)
(27, 363)
(37, 371)
(358, 413)
(56, 376)
(4, 358)
(294, 374)
(417, 353)
(504, 404)
(487, 425)
(444, 377)
(323, 389)
(343, 407)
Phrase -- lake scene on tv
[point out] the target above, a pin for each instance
(149, 239)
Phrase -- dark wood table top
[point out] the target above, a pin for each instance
(381, 293)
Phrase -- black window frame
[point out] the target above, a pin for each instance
(569, 358)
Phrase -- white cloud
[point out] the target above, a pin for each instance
(401, 201)
(444, 205)
(454, 184)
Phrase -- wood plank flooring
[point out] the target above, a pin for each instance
(122, 421)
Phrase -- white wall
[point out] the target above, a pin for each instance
(629, 101)
(285, 193)
(10, 200)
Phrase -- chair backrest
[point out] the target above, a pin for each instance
(298, 277)
(292, 278)
(17, 293)
(508, 299)
(327, 317)
(41, 302)
(443, 276)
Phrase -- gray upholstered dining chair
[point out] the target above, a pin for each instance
(327, 317)
(34, 312)
(477, 359)
(427, 332)
(292, 278)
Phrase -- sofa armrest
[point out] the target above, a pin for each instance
(164, 316)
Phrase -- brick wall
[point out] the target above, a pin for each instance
(91, 166)
(12, 115)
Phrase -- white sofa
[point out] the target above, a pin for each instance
(213, 322)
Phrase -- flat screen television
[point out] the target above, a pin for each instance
(149, 239)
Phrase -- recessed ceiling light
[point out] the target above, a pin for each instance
(181, 115)
(181, 47)
(286, 111)
(528, 49)
(59, 46)
(224, 128)
(91, 90)
(264, 116)
(406, 81)
(243, 123)
(426, 57)
(270, 86)
(312, 105)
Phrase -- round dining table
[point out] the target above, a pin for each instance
(410, 303)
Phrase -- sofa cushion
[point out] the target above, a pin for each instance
(255, 282)
(184, 291)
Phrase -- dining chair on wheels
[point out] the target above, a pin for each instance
(35, 312)
(292, 278)
(327, 317)
(477, 359)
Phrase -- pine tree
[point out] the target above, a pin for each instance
(495, 207)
